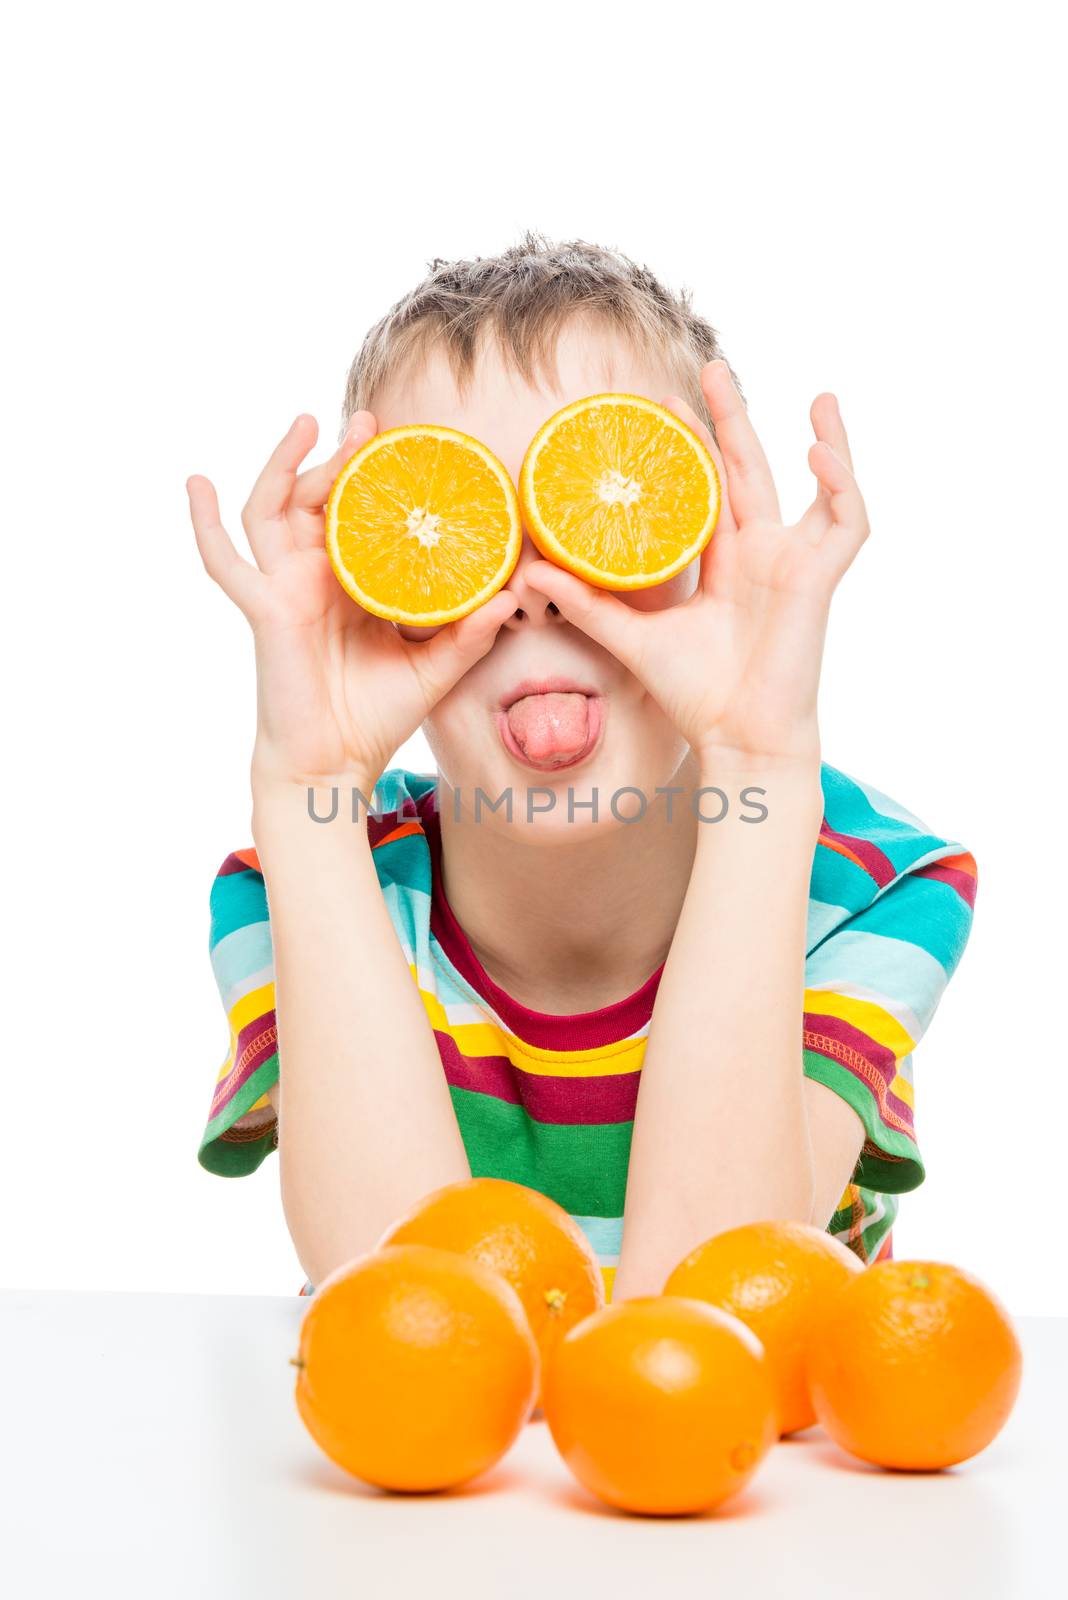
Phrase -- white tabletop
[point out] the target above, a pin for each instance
(150, 1446)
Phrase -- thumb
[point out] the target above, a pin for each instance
(441, 661)
(312, 489)
(601, 616)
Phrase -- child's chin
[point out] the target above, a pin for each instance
(560, 804)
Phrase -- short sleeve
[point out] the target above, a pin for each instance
(872, 986)
(242, 961)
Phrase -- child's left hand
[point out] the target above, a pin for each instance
(736, 666)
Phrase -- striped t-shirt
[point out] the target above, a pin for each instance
(549, 1101)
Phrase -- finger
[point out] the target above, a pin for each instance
(235, 577)
(263, 517)
(837, 520)
(442, 660)
(312, 488)
(827, 424)
(601, 616)
(749, 481)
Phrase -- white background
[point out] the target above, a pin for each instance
(209, 207)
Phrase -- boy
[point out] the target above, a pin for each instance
(677, 985)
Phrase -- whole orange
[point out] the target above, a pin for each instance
(523, 1235)
(776, 1277)
(416, 1368)
(661, 1404)
(917, 1366)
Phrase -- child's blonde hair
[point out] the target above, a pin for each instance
(524, 296)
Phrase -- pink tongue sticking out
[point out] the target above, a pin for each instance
(549, 726)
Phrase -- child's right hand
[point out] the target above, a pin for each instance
(338, 689)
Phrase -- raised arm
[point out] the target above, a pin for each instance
(726, 1129)
(366, 1124)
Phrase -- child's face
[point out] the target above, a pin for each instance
(605, 734)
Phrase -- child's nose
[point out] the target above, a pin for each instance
(532, 608)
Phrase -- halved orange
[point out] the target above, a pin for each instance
(423, 525)
(619, 491)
